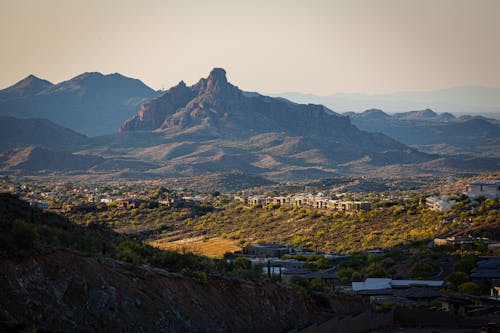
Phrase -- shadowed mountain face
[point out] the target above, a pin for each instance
(435, 133)
(91, 103)
(213, 106)
(15, 132)
(214, 126)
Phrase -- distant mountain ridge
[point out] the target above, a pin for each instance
(435, 133)
(90, 103)
(457, 100)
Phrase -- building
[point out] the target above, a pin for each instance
(268, 250)
(460, 240)
(487, 188)
(386, 286)
(486, 269)
(309, 200)
(439, 204)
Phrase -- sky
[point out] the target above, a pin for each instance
(269, 46)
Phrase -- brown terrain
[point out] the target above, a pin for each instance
(71, 291)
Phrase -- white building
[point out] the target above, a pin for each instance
(488, 188)
(377, 284)
(440, 204)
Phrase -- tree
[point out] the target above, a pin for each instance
(375, 270)
(457, 278)
(346, 274)
(471, 288)
(422, 269)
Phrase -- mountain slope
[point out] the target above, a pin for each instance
(90, 103)
(37, 160)
(16, 132)
(213, 126)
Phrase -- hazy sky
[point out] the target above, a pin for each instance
(268, 46)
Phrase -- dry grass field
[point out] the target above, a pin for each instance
(214, 247)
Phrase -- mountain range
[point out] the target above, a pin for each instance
(90, 103)
(435, 133)
(457, 100)
(213, 126)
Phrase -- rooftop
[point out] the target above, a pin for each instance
(386, 283)
(485, 182)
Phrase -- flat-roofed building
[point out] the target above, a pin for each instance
(488, 188)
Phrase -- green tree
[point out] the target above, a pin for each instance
(471, 288)
(375, 270)
(422, 270)
(457, 278)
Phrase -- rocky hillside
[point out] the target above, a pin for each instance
(90, 103)
(58, 276)
(70, 291)
(213, 126)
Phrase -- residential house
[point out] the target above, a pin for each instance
(439, 204)
(487, 188)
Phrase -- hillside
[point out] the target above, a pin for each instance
(90, 103)
(16, 132)
(58, 276)
(37, 160)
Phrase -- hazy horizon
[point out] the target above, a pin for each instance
(319, 47)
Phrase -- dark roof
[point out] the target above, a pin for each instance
(489, 263)
(320, 275)
(295, 271)
(376, 292)
(485, 273)
(418, 293)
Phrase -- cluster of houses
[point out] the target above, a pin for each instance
(270, 256)
(319, 201)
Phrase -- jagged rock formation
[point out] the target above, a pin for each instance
(215, 126)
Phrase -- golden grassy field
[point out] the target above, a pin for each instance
(214, 247)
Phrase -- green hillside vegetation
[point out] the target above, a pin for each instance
(388, 224)
(322, 230)
(26, 231)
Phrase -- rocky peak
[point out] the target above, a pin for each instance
(217, 84)
(217, 76)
